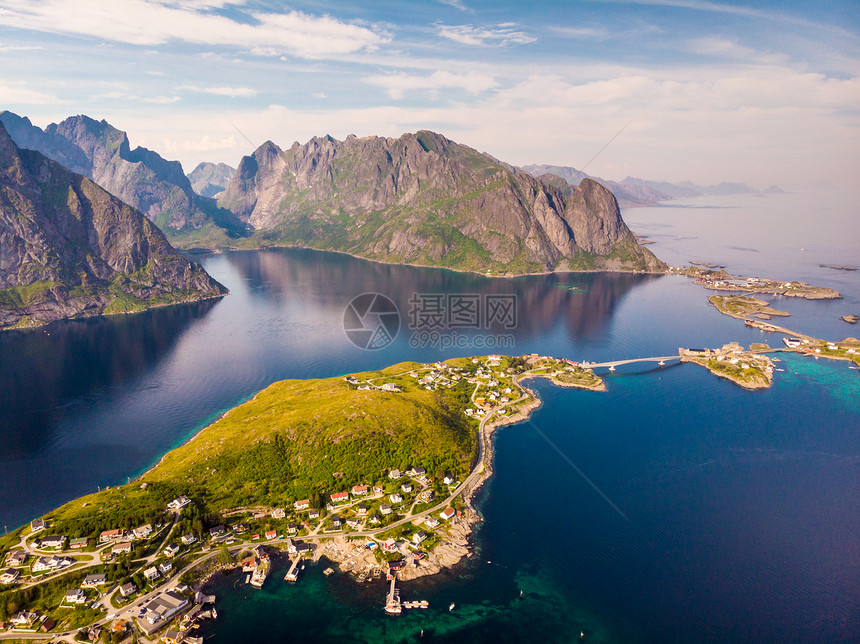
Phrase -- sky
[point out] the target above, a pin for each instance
(701, 90)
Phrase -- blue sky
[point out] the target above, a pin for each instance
(710, 91)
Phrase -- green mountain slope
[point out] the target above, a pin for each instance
(423, 199)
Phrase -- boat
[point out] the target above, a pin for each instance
(328, 571)
(451, 607)
(214, 613)
(258, 578)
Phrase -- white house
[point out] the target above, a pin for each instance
(179, 503)
(9, 576)
(75, 596)
(151, 573)
(396, 498)
(142, 532)
(419, 537)
(448, 513)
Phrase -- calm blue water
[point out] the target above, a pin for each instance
(721, 514)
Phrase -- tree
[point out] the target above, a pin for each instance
(224, 556)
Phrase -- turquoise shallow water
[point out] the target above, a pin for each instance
(721, 514)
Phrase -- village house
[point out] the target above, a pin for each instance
(352, 522)
(426, 496)
(217, 531)
(340, 497)
(111, 535)
(52, 563)
(241, 528)
(142, 532)
(24, 619)
(279, 513)
(9, 576)
(271, 534)
(165, 567)
(396, 498)
(178, 503)
(38, 525)
(385, 509)
(164, 607)
(292, 528)
(75, 596)
(97, 579)
(394, 474)
(375, 519)
(378, 490)
(389, 545)
(188, 539)
(151, 574)
(419, 537)
(390, 386)
(53, 542)
(77, 544)
(127, 589)
(359, 490)
(336, 522)
(120, 548)
(448, 513)
(314, 514)
(16, 557)
(406, 487)
(431, 522)
(304, 504)
(171, 550)
(362, 508)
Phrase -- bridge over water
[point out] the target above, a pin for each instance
(660, 360)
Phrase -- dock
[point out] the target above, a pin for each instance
(392, 600)
(293, 572)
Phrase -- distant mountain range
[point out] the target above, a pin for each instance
(639, 192)
(210, 179)
(418, 199)
(424, 199)
(69, 249)
(142, 178)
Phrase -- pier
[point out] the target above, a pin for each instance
(293, 572)
(392, 600)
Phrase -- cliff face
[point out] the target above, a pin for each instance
(156, 187)
(424, 199)
(69, 249)
(210, 179)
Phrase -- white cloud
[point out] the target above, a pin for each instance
(232, 92)
(320, 95)
(457, 4)
(593, 33)
(148, 23)
(498, 36)
(397, 84)
(21, 95)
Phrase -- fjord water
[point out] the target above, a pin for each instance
(721, 513)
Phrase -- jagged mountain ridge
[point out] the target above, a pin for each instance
(424, 199)
(68, 248)
(142, 178)
(210, 179)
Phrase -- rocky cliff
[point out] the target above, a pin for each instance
(423, 199)
(210, 179)
(70, 249)
(142, 178)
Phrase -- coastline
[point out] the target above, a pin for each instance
(199, 250)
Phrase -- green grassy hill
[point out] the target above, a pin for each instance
(287, 443)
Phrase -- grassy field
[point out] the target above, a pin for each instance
(296, 439)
